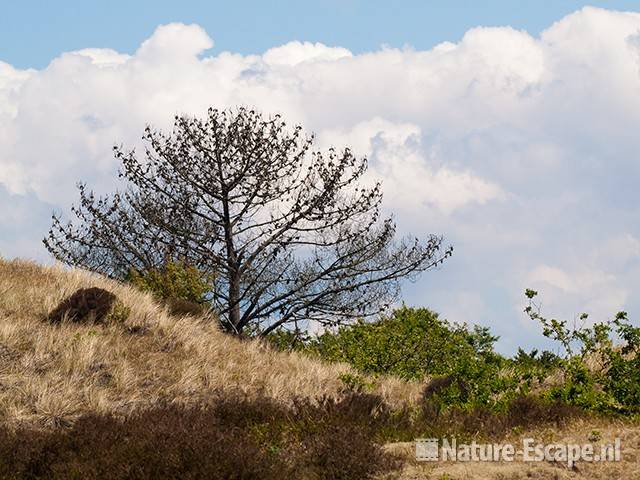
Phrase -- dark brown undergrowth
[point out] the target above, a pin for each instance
(85, 305)
(237, 437)
(234, 438)
(490, 424)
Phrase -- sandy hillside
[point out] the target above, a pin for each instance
(50, 374)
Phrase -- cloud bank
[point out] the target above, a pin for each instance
(522, 151)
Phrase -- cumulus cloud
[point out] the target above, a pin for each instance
(174, 43)
(413, 176)
(519, 149)
(11, 80)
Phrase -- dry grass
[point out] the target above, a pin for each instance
(50, 375)
(580, 431)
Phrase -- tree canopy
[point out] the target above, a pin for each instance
(286, 232)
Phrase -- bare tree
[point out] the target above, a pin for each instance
(290, 233)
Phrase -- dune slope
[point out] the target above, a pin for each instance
(50, 374)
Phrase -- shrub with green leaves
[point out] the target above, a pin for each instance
(600, 366)
(410, 343)
(465, 372)
(531, 369)
(414, 343)
(174, 280)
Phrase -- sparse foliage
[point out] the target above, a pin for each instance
(290, 234)
(600, 362)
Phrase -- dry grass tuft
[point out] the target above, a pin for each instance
(51, 374)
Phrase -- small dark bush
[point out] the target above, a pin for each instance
(436, 386)
(531, 411)
(84, 306)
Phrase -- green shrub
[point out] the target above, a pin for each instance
(598, 373)
(410, 343)
(414, 343)
(176, 283)
(466, 373)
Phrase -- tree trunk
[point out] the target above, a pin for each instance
(232, 269)
(234, 302)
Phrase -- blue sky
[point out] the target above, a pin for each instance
(34, 32)
(508, 127)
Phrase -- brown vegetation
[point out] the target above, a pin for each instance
(89, 305)
(52, 374)
(578, 431)
(236, 437)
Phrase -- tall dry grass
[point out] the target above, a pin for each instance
(50, 375)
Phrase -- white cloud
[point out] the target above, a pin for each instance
(413, 177)
(174, 43)
(295, 53)
(567, 294)
(102, 56)
(551, 276)
(11, 80)
(521, 150)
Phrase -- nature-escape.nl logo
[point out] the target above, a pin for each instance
(433, 450)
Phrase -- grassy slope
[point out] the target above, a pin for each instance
(51, 374)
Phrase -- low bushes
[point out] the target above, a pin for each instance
(410, 343)
(238, 437)
(234, 438)
(414, 344)
(183, 288)
(599, 369)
